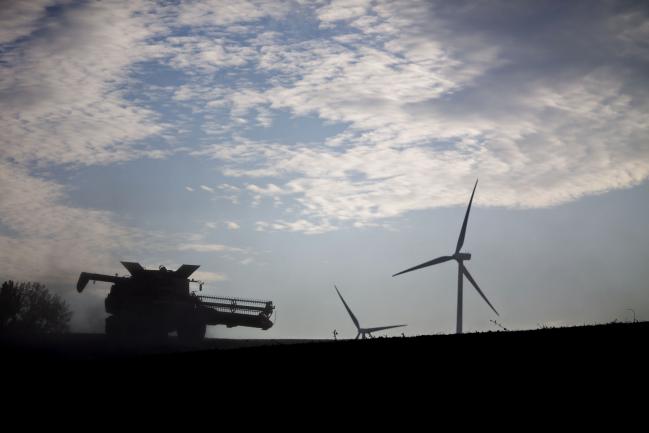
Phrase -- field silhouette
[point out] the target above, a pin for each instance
(619, 339)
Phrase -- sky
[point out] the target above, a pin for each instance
(287, 146)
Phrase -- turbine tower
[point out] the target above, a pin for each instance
(362, 331)
(462, 270)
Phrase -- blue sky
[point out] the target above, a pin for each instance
(286, 146)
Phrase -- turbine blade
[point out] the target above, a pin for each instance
(348, 309)
(470, 278)
(460, 240)
(430, 263)
(381, 328)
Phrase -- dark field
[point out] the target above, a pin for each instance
(594, 342)
(555, 362)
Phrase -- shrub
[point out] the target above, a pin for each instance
(28, 307)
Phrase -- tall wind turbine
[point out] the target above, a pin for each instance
(363, 331)
(462, 270)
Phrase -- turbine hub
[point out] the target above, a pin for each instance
(463, 256)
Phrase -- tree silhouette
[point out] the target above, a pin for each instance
(28, 307)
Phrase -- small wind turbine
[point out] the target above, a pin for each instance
(462, 270)
(363, 331)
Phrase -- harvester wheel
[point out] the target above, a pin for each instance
(114, 327)
(191, 331)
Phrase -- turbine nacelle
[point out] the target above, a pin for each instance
(462, 256)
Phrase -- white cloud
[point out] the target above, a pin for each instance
(62, 88)
(209, 248)
(632, 29)
(540, 161)
(271, 189)
(430, 105)
(209, 277)
(228, 188)
(20, 18)
(342, 10)
(189, 188)
(199, 55)
(224, 12)
(428, 98)
(231, 225)
(375, 87)
(301, 225)
(50, 241)
(264, 117)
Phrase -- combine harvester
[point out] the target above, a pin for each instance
(153, 303)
